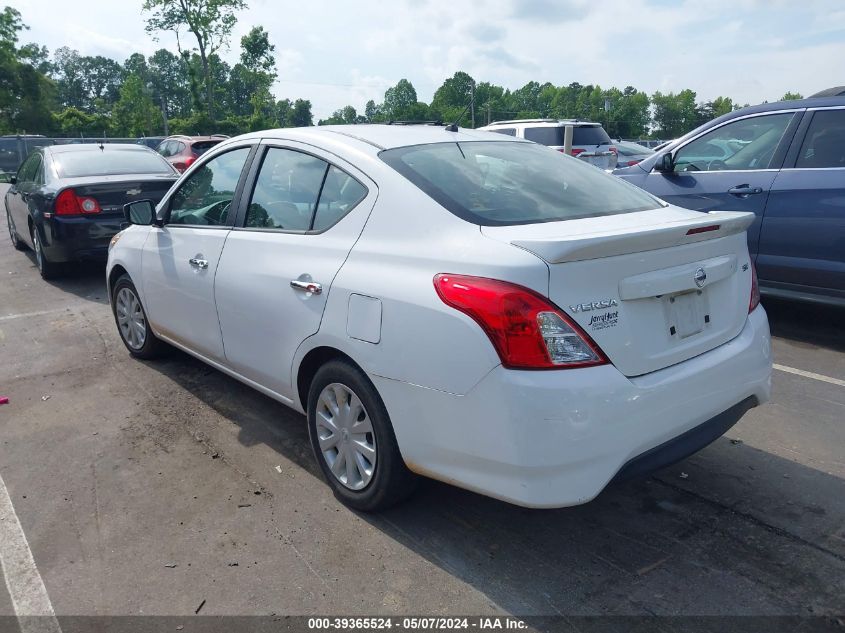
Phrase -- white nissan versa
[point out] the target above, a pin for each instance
(451, 303)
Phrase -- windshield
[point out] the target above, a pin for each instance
(109, 162)
(502, 183)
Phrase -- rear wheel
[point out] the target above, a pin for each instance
(353, 439)
(48, 269)
(13, 233)
(131, 320)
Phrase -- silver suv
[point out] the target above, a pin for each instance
(589, 140)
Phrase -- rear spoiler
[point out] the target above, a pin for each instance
(557, 250)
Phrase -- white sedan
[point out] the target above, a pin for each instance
(455, 304)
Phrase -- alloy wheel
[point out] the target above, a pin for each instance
(130, 318)
(345, 435)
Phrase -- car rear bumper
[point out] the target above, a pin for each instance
(557, 438)
(79, 238)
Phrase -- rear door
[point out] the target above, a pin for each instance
(305, 211)
(802, 242)
(180, 258)
(18, 196)
(731, 167)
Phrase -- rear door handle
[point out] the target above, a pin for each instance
(202, 264)
(307, 286)
(744, 190)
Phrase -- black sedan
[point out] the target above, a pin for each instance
(66, 201)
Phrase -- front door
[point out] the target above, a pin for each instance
(304, 215)
(180, 258)
(729, 168)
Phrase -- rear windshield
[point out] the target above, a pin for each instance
(200, 147)
(109, 163)
(581, 135)
(503, 183)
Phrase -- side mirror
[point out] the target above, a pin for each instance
(13, 180)
(665, 164)
(140, 212)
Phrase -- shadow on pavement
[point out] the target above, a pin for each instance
(810, 323)
(731, 530)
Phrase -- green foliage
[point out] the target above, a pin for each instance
(135, 114)
(209, 21)
(791, 96)
(73, 122)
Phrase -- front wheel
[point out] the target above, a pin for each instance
(13, 234)
(353, 440)
(131, 320)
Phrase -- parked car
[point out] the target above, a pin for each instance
(66, 201)
(631, 153)
(181, 151)
(152, 142)
(14, 148)
(590, 142)
(784, 162)
(456, 304)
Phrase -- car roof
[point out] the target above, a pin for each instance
(90, 147)
(380, 136)
(542, 123)
(812, 102)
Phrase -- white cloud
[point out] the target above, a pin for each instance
(348, 53)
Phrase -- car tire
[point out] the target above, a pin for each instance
(342, 399)
(131, 320)
(48, 269)
(13, 234)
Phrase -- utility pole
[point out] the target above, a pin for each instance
(164, 114)
(472, 103)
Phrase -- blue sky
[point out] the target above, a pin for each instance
(338, 53)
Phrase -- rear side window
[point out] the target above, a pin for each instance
(545, 135)
(824, 145)
(340, 193)
(109, 162)
(507, 131)
(504, 183)
(201, 147)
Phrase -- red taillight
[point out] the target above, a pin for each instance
(755, 291)
(190, 161)
(527, 330)
(631, 163)
(576, 151)
(68, 203)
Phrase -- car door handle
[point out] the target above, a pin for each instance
(307, 286)
(744, 190)
(202, 264)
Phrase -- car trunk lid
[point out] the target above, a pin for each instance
(652, 288)
(112, 192)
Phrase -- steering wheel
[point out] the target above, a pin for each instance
(717, 165)
(217, 211)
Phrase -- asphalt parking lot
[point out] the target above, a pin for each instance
(166, 487)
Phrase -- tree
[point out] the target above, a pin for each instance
(791, 96)
(169, 76)
(371, 111)
(674, 114)
(300, 114)
(399, 101)
(210, 21)
(452, 98)
(135, 114)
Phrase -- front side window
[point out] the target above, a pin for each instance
(28, 168)
(742, 145)
(824, 144)
(205, 198)
(496, 183)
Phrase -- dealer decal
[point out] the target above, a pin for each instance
(604, 321)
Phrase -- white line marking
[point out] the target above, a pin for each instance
(809, 374)
(26, 588)
(25, 315)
